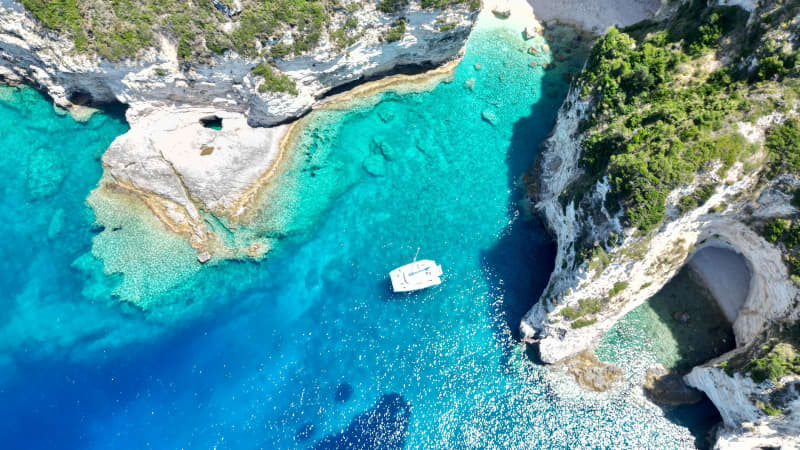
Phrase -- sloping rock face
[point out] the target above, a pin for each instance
(628, 267)
(177, 166)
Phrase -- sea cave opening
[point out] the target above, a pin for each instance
(690, 320)
(685, 324)
(213, 122)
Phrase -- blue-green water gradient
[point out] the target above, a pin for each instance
(283, 353)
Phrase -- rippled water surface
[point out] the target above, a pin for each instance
(308, 348)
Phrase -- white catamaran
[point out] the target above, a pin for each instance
(416, 275)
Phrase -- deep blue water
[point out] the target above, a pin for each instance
(308, 348)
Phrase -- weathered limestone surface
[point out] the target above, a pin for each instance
(166, 156)
(637, 267)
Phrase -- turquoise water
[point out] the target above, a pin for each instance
(308, 348)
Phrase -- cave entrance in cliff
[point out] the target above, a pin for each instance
(685, 324)
(213, 122)
(690, 320)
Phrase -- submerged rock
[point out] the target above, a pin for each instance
(305, 432)
(668, 388)
(470, 84)
(383, 426)
(591, 373)
(375, 165)
(45, 173)
(489, 116)
(343, 392)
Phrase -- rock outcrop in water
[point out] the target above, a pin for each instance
(183, 170)
(605, 266)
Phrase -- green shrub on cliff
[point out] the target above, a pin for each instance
(774, 229)
(658, 119)
(119, 29)
(782, 359)
(62, 15)
(585, 306)
(783, 144)
(580, 323)
(397, 31)
(274, 81)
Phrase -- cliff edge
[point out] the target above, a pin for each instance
(678, 145)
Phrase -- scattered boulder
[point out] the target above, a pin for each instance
(502, 11)
(591, 373)
(478, 66)
(56, 224)
(668, 388)
(470, 84)
(385, 116)
(489, 116)
(531, 31)
(375, 165)
(532, 50)
(203, 257)
(681, 316)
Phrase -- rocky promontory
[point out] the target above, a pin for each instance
(675, 147)
(207, 127)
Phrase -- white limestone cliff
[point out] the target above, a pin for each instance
(746, 426)
(168, 158)
(718, 239)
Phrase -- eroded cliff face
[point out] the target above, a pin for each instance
(182, 169)
(589, 291)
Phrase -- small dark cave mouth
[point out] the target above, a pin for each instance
(212, 122)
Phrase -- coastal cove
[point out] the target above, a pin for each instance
(307, 346)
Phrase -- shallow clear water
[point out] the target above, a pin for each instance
(256, 355)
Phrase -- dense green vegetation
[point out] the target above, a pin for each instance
(619, 286)
(580, 323)
(774, 229)
(777, 356)
(663, 113)
(120, 29)
(783, 144)
(585, 306)
(697, 198)
(397, 31)
(391, 6)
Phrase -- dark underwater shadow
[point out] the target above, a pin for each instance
(383, 426)
(519, 265)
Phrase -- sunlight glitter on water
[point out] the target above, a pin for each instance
(254, 354)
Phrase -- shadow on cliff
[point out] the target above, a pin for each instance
(519, 265)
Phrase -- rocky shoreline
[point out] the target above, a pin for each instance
(717, 239)
(191, 171)
(187, 172)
